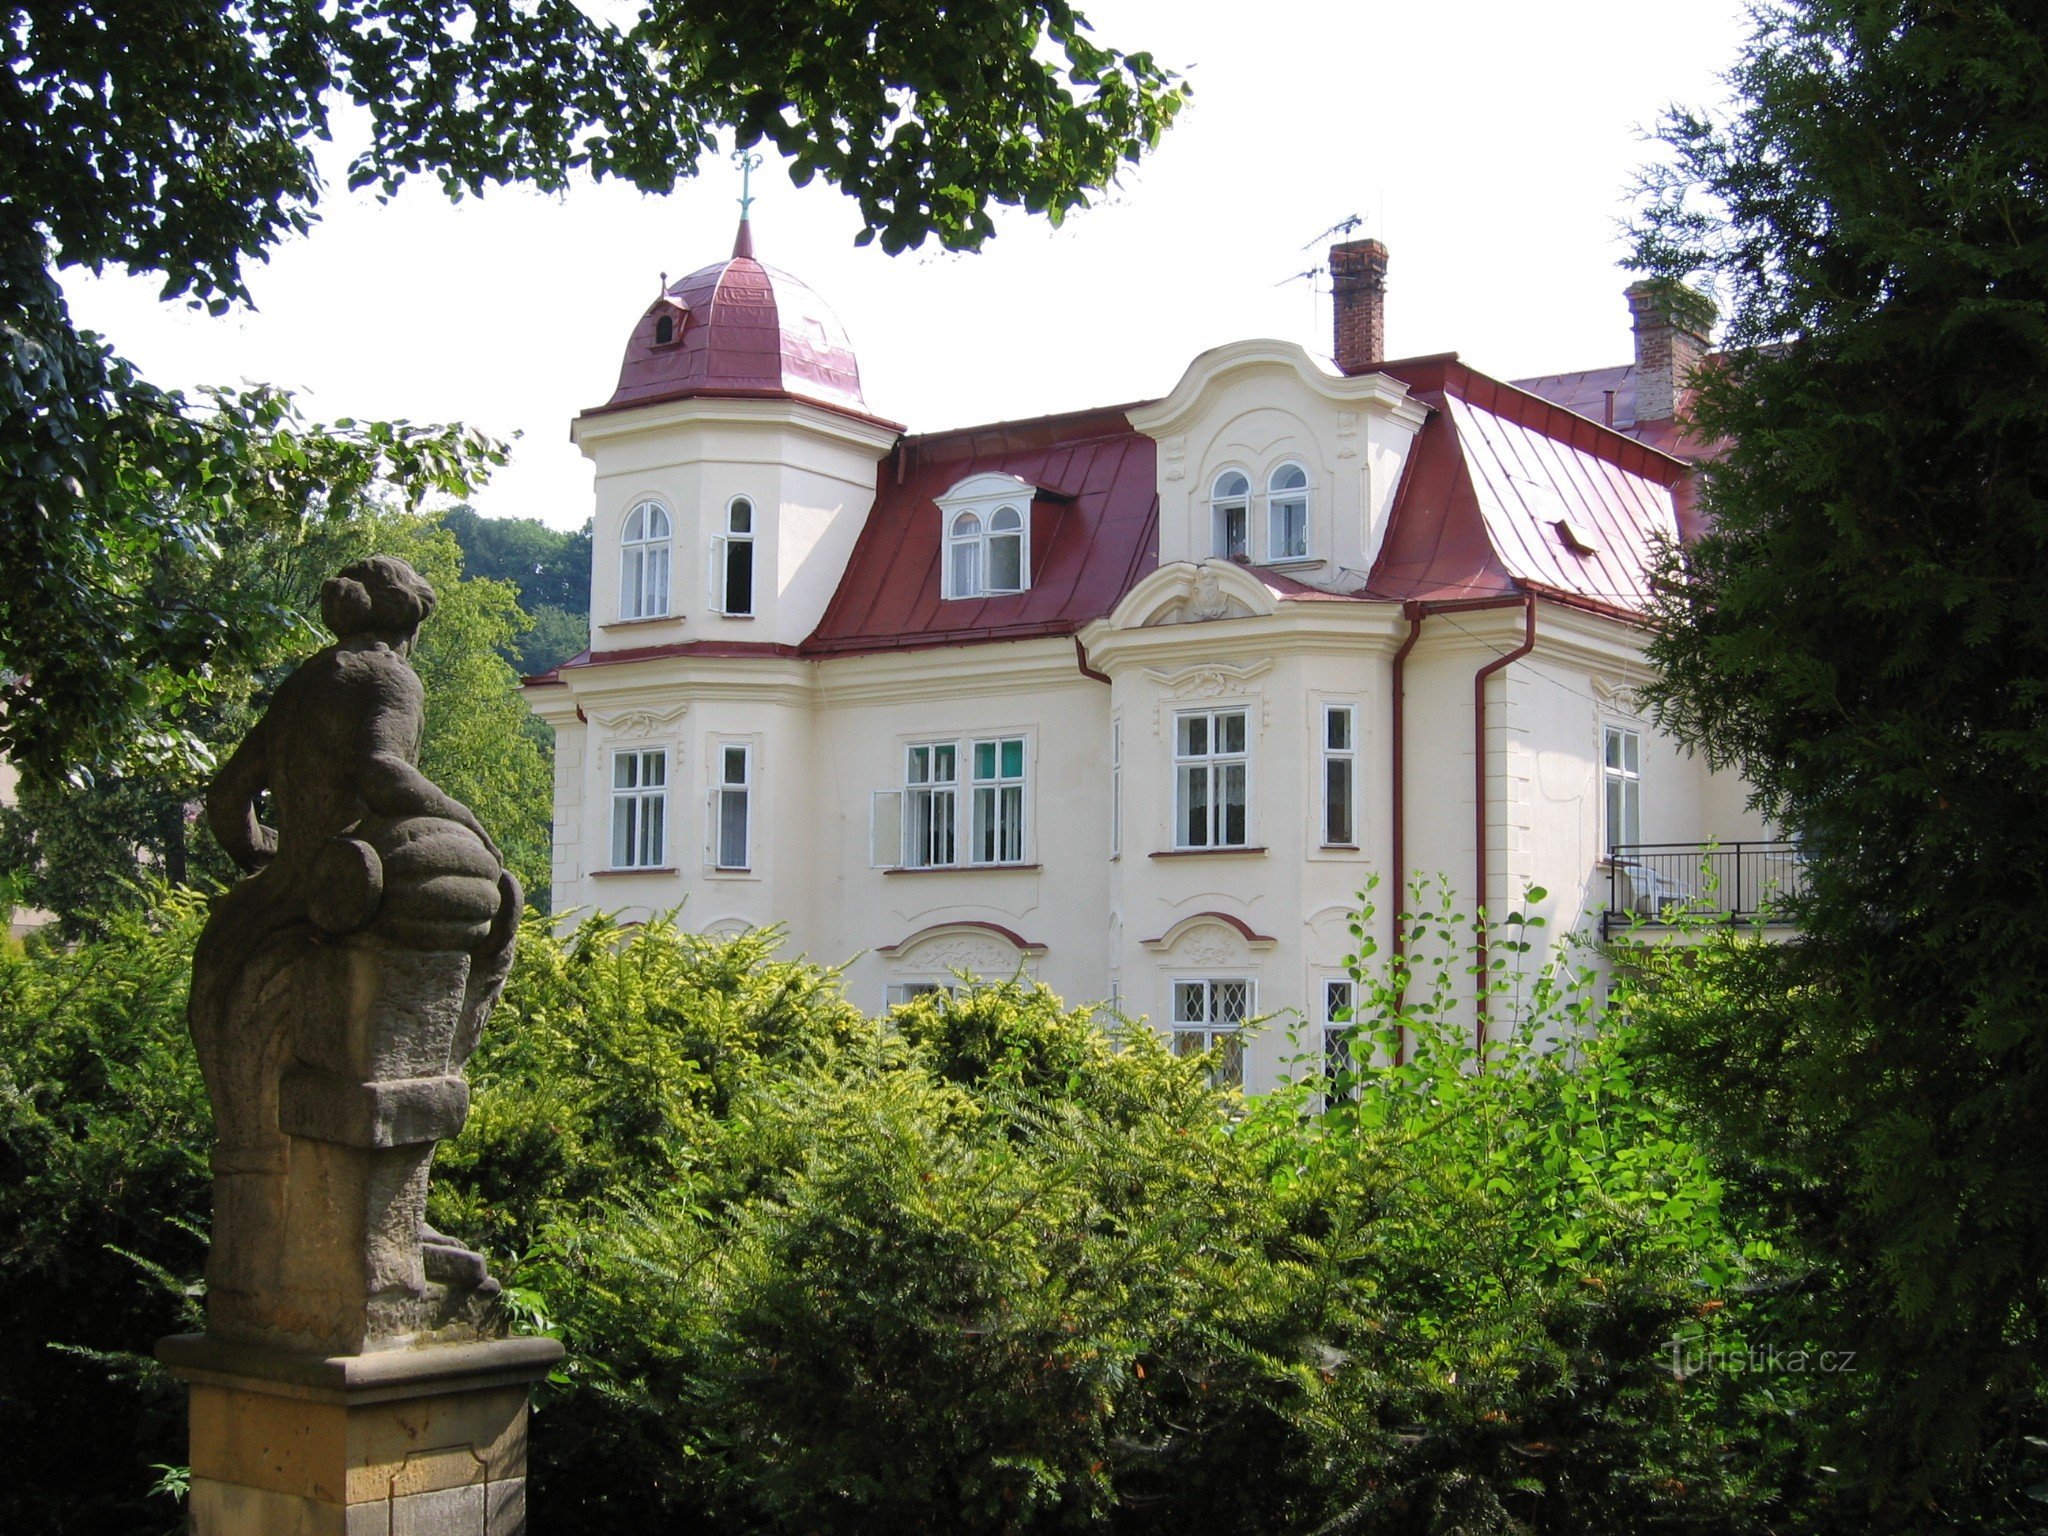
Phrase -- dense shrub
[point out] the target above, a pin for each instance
(987, 1264)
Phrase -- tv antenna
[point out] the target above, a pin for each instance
(1343, 226)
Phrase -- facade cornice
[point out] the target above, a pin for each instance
(656, 682)
(890, 677)
(712, 411)
(1196, 393)
(1294, 629)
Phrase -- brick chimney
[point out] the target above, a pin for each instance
(1358, 279)
(1669, 347)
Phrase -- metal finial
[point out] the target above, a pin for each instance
(749, 161)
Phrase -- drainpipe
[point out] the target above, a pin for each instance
(1397, 819)
(1479, 794)
(1081, 661)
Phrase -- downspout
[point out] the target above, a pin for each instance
(1397, 816)
(1081, 660)
(1479, 799)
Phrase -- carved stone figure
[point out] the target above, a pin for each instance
(336, 993)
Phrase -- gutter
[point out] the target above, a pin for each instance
(1479, 870)
(1416, 612)
(1398, 821)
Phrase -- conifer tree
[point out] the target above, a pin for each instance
(1864, 633)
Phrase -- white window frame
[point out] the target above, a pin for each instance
(631, 804)
(725, 793)
(645, 559)
(1279, 500)
(980, 513)
(1211, 767)
(1621, 783)
(931, 805)
(998, 799)
(724, 548)
(897, 993)
(1339, 765)
(1335, 1031)
(1190, 1036)
(966, 549)
(961, 814)
(1226, 505)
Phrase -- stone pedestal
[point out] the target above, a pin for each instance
(428, 1441)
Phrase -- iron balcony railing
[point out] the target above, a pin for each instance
(1660, 883)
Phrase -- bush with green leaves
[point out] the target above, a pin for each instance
(986, 1264)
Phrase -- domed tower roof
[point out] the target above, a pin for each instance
(740, 328)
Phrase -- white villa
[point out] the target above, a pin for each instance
(1131, 699)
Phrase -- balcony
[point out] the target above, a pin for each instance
(1662, 884)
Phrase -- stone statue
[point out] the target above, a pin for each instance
(336, 993)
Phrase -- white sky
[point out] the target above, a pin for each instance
(1491, 145)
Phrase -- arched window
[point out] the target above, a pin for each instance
(1230, 502)
(732, 561)
(1005, 561)
(664, 330)
(987, 530)
(1287, 513)
(643, 562)
(963, 556)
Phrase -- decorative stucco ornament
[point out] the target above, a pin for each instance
(337, 991)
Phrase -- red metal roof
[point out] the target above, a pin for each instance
(1094, 535)
(741, 328)
(1505, 491)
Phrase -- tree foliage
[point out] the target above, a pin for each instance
(1863, 634)
(79, 846)
(983, 1264)
(551, 569)
(177, 140)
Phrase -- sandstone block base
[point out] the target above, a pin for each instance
(407, 1442)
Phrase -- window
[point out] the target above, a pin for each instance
(1005, 563)
(901, 992)
(985, 559)
(931, 814)
(639, 809)
(963, 556)
(643, 563)
(987, 521)
(1116, 788)
(1287, 513)
(931, 794)
(999, 801)
(732, 807)
(1622, 768)
(1340, 777)
(1209, 774)
(664, 330)
(1209, 1015)
(1230, 505)
(732, 562)
(1337, 1024)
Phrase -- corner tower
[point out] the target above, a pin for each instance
(735, 463)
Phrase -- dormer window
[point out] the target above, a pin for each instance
(1287, 513)
(1230, 503)
(664, 330)
(987, 537)
(644, 562)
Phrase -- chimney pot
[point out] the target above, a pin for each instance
(1358, 283)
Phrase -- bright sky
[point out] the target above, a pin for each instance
(1490, 143)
